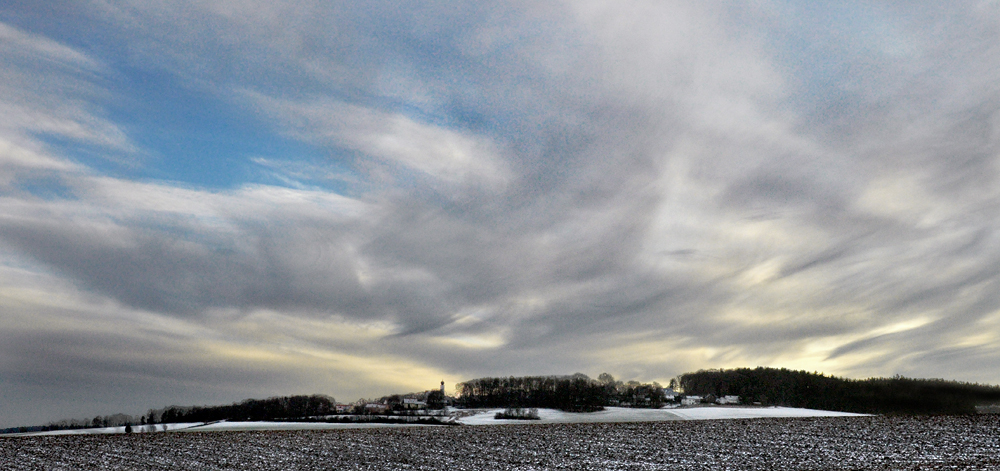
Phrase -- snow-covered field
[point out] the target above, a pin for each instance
(114, 430)
(856, 443)
(244, 426)
(621, 414)
(729, 412)
(485, 417)
(222, 426)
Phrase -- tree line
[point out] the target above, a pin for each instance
(113, 420)
(576, 393)
(896, 395)
(580, 393)
(275, 408)
(434, 400)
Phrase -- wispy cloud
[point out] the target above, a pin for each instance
(60, 104)
(449, 156)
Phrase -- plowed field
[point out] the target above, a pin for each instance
(971, 442)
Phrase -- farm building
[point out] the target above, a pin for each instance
(411, 404)
(691, 400)
(728, 400)
(375, 408)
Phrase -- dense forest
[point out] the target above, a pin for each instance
(576, 393)
(274, 408)
(897, 395)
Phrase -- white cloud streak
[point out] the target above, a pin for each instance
(452, 157)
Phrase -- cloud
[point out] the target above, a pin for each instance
(69, 354)
(32, 46)
(59, 105)
(453, 157)
(645, 188)
(182, 251)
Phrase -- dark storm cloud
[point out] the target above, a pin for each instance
(50, 375)
(165, 267)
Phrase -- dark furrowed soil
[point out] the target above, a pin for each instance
(965, 442)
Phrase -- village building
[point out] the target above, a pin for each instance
(728, 400)
(414, 404)
(375, 408)
(691, 400)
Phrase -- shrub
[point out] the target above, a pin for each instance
(517, 413)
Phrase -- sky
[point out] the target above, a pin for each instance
(203, 202)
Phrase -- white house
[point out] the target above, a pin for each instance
(669, 395)
(728, 400)
(374, 408)
(691, 400)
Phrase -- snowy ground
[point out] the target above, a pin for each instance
(114, 430)
(244, 426)
(621, 414)
(729, 412)
(831, 443)
(485, 417)
(222, 426)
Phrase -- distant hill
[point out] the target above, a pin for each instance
(896, 395)
(274, 408)
(580, 393)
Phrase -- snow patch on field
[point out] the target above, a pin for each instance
(621, 414)
(114, 430)
(245, 426)
(222, 426)
(708, 413)
(483, 417)
(553, 416)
